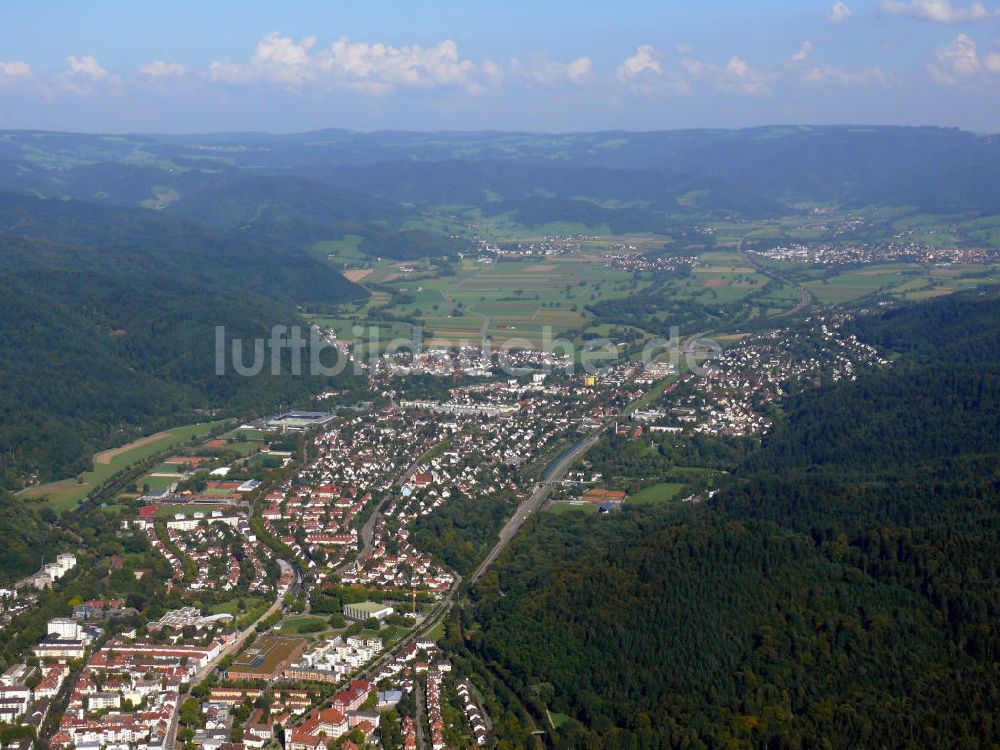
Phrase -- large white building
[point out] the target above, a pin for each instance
(50, 572)
(66, 639)
(65, 628)
(364, 610)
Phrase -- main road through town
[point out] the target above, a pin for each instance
(553, 473)
(231, 648)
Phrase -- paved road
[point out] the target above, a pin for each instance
(421, 711)
(806, 298)
(231, 648)
(371, 670)
(553, 473)
(368, 533)
(367, 536)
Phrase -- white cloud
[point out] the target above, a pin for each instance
(492, 72)
(802, 69)
(645, 73)
(694, 68)
(737, 68)
(579, 69)
(739, 76)
(542, 70)
(804, 51)
(956, 61)
(228, 72)
(684, 49)
(644, 61)
(642, 71)
(283, 60)
(383, 65)
(163, 69)
(360, 66)
(15, 69)
(86, 67)
(992, 62)
(839, 13)
(938, 11)
(85, 76)
(15, 73)
(276, 59)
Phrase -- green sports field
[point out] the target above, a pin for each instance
(67, 493)
(657, 493)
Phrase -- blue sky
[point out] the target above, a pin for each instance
(186, 66)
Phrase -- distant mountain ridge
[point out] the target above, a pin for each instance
(752, 172)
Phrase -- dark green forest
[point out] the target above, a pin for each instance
(107, 326)
(842, 590)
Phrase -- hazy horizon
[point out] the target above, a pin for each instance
(488, 131)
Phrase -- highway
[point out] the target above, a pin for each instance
(553, 473)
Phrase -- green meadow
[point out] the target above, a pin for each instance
(68, 493)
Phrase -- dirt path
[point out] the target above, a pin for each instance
(106, 457)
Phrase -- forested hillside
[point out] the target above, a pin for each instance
(279, 200)
(109, 316)
(842, 591)
(27, 535)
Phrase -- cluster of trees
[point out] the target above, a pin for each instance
(537, 211)
(841, 590)
(407, 244)
(461, 532)
(632, 463)
(26, 531)
(95, 539)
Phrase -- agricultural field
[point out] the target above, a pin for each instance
(514, 300)
(523, 301)
(908, 281)
(727, 277)
(501, 300)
